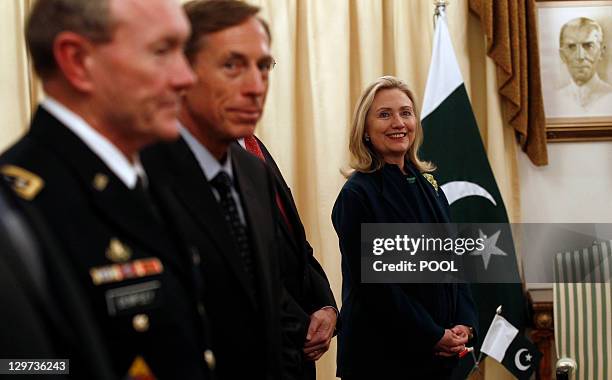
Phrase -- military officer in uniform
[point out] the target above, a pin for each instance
(113, 71)
(44, 315)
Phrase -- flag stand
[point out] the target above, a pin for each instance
(476, 367)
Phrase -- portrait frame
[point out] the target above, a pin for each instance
(564, 121)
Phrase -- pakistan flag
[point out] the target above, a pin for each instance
(453, 144)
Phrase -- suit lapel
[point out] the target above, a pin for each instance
(119, 205)
(256, 210)
(193, 190)
(394, 197)
(291, 213)
(430, 195)
(131, 213)
(285, 196)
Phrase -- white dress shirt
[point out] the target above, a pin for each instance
(211, 167)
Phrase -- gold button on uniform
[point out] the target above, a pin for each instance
(140, 322)
(201, 309)
(100, 181)
(209, 358)
(195, 257)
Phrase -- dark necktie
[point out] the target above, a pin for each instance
(223, 183)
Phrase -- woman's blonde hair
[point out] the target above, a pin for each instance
(363, 157)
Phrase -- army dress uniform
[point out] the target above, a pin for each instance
(140, 282)
(38, 323)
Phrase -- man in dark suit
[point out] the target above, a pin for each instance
(225, 196)
(304, 277)
(113, 71)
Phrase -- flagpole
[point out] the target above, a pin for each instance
(476, 367)
(439, 11)
(440, 6)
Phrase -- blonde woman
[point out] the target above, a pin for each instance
(392, 331)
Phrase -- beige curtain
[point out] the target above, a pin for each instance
(15, 75)
(510, 28)
(327, 51)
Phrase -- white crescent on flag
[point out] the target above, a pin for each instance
(456, 190)
(517, 360)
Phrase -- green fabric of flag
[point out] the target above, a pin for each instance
(522, 358)
(453, 143)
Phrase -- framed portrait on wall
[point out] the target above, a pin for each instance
(575, 49)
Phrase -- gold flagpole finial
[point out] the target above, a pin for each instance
(440, 6)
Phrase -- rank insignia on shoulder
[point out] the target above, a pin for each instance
(120, 272)
(430, 178)
(118, 252)
(139, 370)
(24, 183)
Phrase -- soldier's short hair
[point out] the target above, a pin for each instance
(210, 16)
(48, 18)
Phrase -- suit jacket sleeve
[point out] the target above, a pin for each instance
(466, 309)
(395, 308)
(319, 291)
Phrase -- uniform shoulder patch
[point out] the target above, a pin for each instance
(24, 183)
(430, 178)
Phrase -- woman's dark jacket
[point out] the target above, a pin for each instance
(389, 330)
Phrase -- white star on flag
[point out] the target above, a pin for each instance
(490, 248)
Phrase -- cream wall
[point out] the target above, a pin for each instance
(575, 187)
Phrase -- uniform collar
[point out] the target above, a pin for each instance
(128, 172)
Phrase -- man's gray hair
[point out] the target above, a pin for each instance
(48, 18)
(582, 22)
